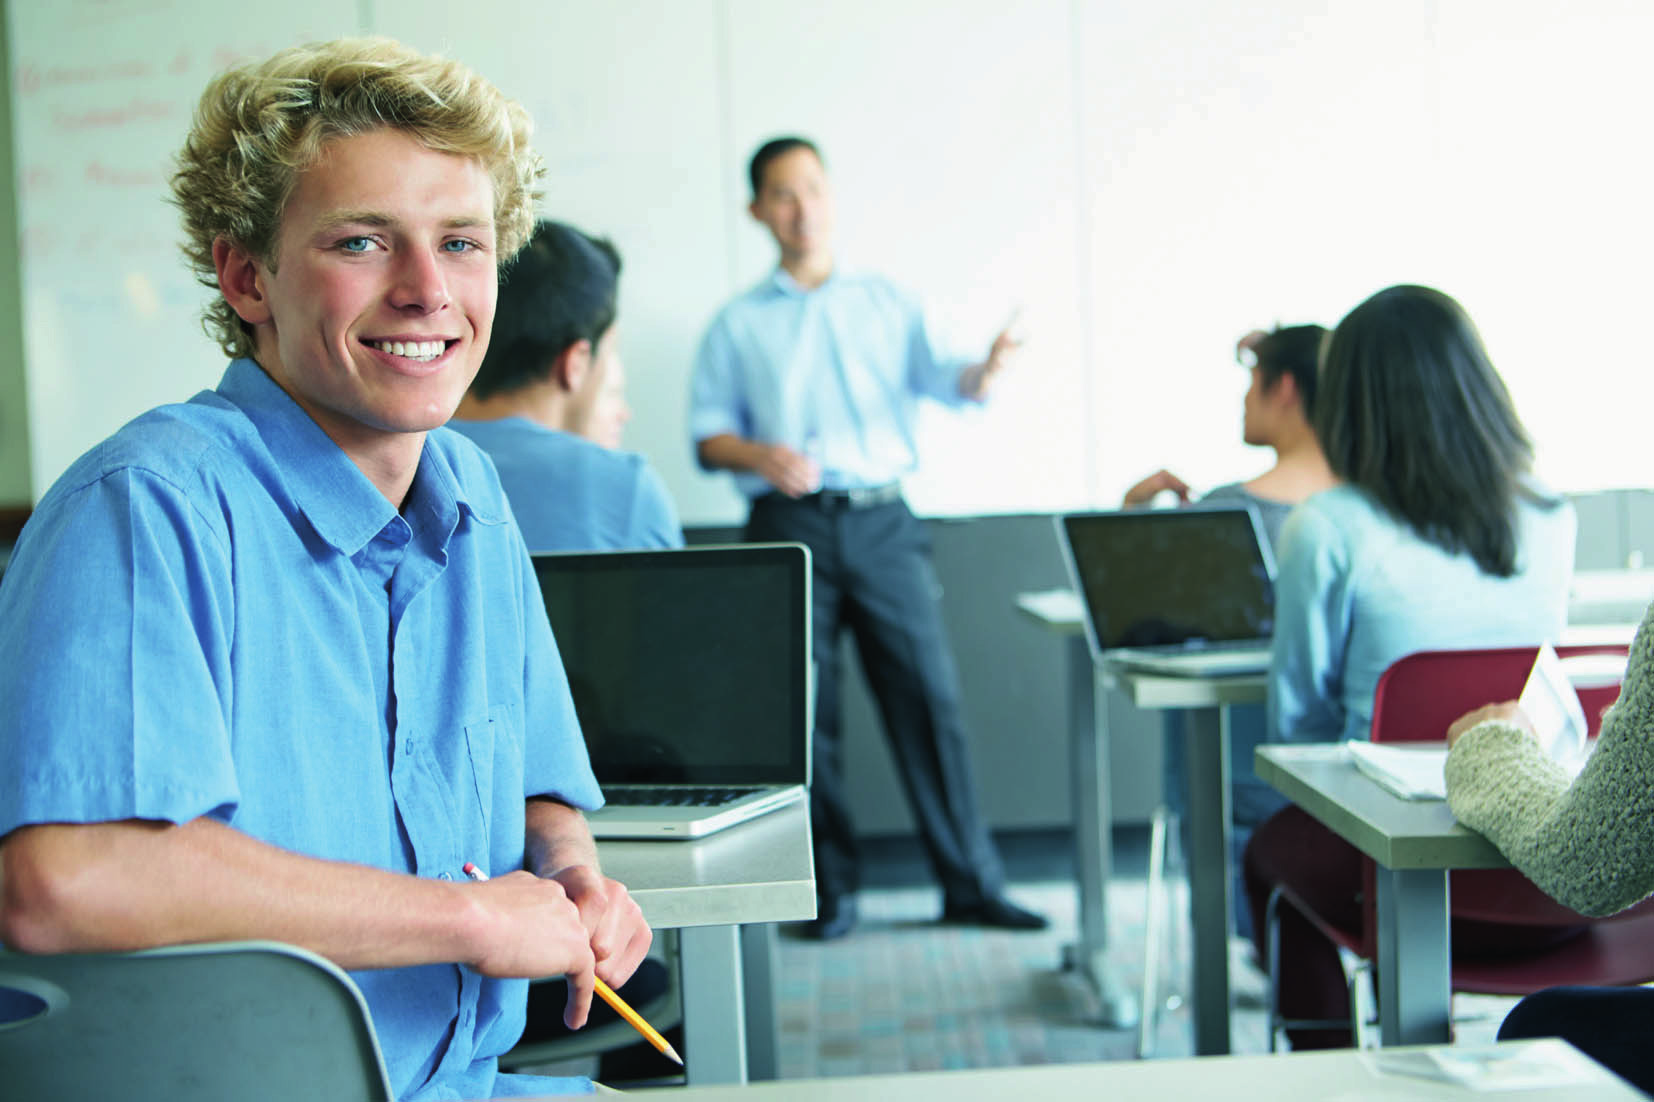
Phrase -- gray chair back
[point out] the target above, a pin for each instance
(248, 1020)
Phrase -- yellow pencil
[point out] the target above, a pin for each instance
(618, 1004)
(650, 1033)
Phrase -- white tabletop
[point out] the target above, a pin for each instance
(1344, 1075)
(759, 871)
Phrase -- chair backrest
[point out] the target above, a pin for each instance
(1420, 695)
(249, 1020)
(1416, 700)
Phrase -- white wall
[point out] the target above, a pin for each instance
(1147, 180)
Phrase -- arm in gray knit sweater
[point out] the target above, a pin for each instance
(1589, 844)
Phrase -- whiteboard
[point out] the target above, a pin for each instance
(102, 95)
(1147, 181)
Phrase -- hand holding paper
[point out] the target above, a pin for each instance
(1549, 709)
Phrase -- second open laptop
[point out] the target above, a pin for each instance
(691, 674)
(1184, 591)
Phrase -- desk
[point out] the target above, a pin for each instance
(1205, 702)
(1059, 611)
(723, 893)
(1415, 843)
(1342, 1075)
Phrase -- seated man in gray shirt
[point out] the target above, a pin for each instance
(549, 403)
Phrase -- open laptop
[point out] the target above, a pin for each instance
(1184, 591)
(691, 674)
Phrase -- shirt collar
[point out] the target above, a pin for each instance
(341, 504)
(782, 280)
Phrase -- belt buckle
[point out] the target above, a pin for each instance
(865, 497)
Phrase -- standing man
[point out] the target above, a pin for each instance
(273, 662)
(807, 388)
(549, 403)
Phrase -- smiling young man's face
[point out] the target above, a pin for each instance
(376, 311)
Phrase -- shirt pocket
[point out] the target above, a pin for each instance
(494, 748)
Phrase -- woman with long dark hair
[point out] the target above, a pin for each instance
(1439, 537)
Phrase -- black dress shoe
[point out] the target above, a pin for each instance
(994, 911)
(835, 917)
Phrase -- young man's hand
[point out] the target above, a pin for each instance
(620, 937)
(790, 472)
(1144, 491)
(529, 928)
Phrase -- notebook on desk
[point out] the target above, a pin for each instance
(1183, 591)
(691, 674)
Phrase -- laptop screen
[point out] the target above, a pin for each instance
(688, 666)
(1163, 577)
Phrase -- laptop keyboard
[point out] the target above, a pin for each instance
(651, 796)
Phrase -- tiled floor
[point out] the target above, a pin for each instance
(903, 993)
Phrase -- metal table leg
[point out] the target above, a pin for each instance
(714, 1012)
(1093, 838)
(1414, 971)
(758, 972)
(1206, 735)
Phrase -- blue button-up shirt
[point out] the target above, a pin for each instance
(573, 494)
(835, 373)
(214, 613)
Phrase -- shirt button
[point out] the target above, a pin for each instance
(444, 876)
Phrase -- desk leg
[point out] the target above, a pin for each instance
(758, 979)
(1414, 974)
(1093, 837)
(1206, 735)
(714, 1017)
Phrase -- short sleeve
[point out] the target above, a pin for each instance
(114, 659)
(715, 400)
(1311, 631)
(931, 371)
(654, 517)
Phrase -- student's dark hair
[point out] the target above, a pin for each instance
(1292, 350)
(772, 149)
(561, 289)
(1411, 410)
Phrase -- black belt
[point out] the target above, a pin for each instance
(861, 497)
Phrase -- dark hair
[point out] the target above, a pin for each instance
(1411, 411)
(560, 290)
(772, 149)
(1293, 350)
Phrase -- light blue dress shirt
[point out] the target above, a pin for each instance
(835, 373)
(1357, 589)
(214, 613)
(573, 494)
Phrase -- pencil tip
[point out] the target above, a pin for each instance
(673, 1053)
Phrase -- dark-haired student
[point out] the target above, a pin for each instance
(1439, 537)
(549, 403)
(1284, 364)
(807, 387)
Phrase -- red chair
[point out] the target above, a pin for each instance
(1416, 700)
